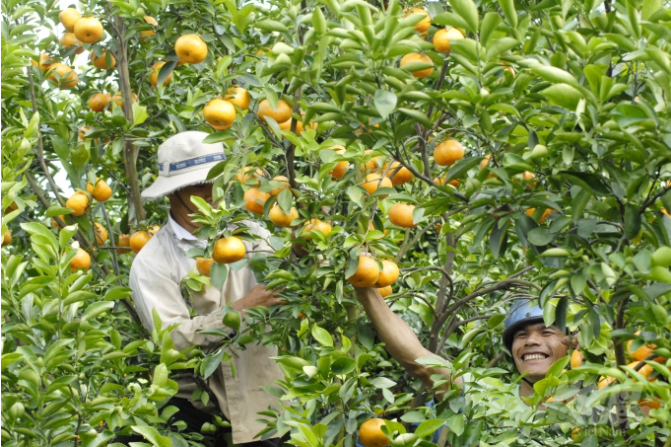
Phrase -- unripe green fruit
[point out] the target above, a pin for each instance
(405, 440)
(17, 410)
(232, 319)
(539, 151)
(662, 257)
(660, 274)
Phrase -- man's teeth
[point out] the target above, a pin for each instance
(528, 357)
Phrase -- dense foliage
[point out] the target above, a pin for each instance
(562, 108)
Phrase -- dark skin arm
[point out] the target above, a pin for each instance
(400, 340)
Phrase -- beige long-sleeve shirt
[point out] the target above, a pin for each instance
(155, 279)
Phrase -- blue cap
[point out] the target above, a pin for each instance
(522, 313)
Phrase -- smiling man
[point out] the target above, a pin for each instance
(534, 346)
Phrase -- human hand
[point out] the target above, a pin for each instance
(258, 296)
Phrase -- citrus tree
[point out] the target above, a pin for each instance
(455, 156)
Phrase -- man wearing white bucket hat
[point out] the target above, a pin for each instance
(184, 162)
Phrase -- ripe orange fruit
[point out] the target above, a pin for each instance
(6, 238)
(543, 218)
(150, 20)
(146, 34)
(139, 240)
(124, 241)
(398, 174)
(280, 218)
(88, 30)
(219, 114)
(191, 49)
(81, 133)
(528, 176)
(101, 234)
(643, 352)
(78, 203)
(68, 18)
(238, 96)
(70, 40)
(418, 57)
(388, 275)
(605, 381)
(576, 358)
(101, 191)
(646, 370)
(285, 184)
(118, 98)
(153, 77)
(63, 76)
(341, 168)
(286, 125)
(99, 101)
(229, 249)
(153, 230)
(367, 273)
(255, 199)
(45, 62)
(101, 61)
(385, 291)
(442, 38)
(651, 404)
(370, 434)
(371, 165)
(82, 260)
(316, 225)
(280, 114)
(485, 162)
(400, 214)
(203, 265)
(375, 181)
(448, 152)
(423, 25)
(244, 176)
(439, 180)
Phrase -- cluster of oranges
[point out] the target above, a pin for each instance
(369, 274)
(441, 43)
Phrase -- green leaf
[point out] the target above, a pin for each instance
(218, 275)
(626, 114)
(588, 181)
(342, 365)
(508, 8)
(152, 435)
(271, 25)
(467, 11)
(457, 423)
(429, 426)
(212, 362)
(96, 309)
(416, 115)
(284, 199)
(57, 211)
(563, 95)
(164, 73)
(632, 221)
(555, 75)
(540, 236)
(385, 102)
(322, 336)
(139, 113)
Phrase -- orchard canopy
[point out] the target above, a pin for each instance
(493, 150)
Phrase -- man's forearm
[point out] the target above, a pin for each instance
(400, 340)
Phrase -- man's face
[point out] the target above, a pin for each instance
(180, 201)
(536, 347)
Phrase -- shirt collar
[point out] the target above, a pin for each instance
(180, 232)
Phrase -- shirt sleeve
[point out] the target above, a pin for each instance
(152, 289)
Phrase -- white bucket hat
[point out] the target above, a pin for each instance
(183, 160)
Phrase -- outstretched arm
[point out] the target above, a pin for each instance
(400, 340)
